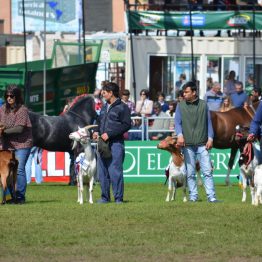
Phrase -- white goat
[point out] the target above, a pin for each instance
(258, 185)
(88, 164)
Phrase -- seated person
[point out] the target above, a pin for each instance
(144, 106)
(160, 123)
(161, 100)
(136, 125)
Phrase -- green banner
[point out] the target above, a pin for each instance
(159, 20)
(145, 163)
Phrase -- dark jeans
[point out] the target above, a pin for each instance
(111, 171)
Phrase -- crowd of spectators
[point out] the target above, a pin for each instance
(154, 119)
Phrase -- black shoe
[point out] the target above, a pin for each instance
(20, 201)
(10, 201)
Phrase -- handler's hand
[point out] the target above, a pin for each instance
(209, 144)
(180, 141)
(105, 136)
(95, 135)
(251, 138)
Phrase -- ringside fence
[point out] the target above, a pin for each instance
(143, 163)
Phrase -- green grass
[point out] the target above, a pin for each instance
(51, 226)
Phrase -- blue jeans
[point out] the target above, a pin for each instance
(22, 156)
(199, 152)
(34, 158)
(111, 171)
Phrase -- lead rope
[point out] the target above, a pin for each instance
(248, 152)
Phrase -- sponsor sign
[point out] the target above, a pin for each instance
(143, 163)
(60, 15)
(159, 20)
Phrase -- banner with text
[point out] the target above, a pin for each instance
(159, 20)
(143, 163)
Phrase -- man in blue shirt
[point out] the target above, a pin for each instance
(214, 97)
(239, 97)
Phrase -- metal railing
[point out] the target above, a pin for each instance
(144, 127)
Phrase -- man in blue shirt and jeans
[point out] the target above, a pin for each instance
(114, 120)
(195, 134)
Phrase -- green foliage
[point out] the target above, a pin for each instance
(52, 226)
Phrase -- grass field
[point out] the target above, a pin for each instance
(51, 226)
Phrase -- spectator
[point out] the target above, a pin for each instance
(180, 96)
(214, 97)
(129, 103)
(171, 112)
(250, 85)
(229, 87)
(16, 134)
(136, 125)
(98, 100)
(34, 158)
(209, 83)
(255, 95)
(239, 97)
(180, 82)
(161, 100)
(226, 105)
(195, 134)
(144, 106)
(67, 106)
(159, 123)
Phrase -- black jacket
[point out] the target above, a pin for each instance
(115, 121)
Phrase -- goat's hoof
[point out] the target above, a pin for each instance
(184, 200)
(167, 200)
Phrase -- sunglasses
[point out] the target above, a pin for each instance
(11, 96)
(143, 94)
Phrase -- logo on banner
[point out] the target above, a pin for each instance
(239, 20)
(197, 20)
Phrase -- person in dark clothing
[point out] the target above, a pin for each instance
(114, 121)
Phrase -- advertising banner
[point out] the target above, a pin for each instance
(159, 20)
(143, 163)
(60, 15)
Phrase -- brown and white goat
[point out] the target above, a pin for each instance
(8, 171)
(176, 168)
(87, 166)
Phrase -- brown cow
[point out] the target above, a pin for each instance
(8, 171)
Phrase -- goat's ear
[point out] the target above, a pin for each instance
(79, 127)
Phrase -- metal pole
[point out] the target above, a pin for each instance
(254, 43)
(192, 45)
(83, 28)
(25, 50)
(132, 48)
(44, 65)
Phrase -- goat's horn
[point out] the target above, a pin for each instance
(90, 126)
